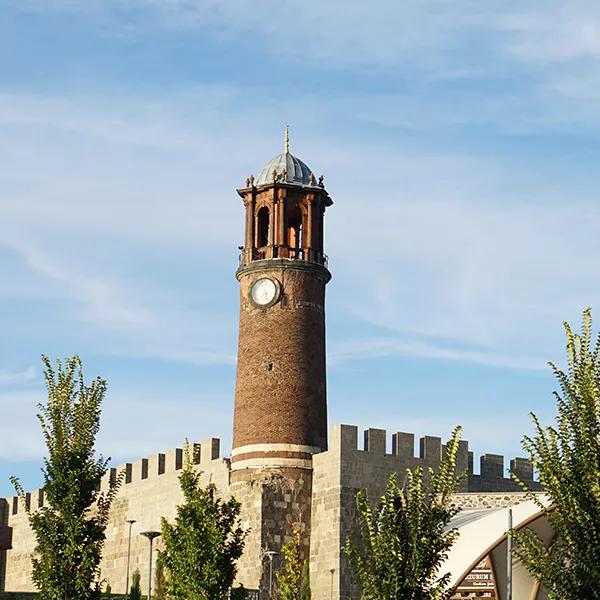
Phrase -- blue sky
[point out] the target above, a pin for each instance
(459, 141)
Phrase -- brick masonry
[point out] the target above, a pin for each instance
(281, 382)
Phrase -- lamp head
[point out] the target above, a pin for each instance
(150, 534)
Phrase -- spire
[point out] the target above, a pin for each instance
(286, 139)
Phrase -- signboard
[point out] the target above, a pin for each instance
(480, 579)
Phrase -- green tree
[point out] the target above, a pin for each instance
(202, 546)
(160, 582)
(70, 528)
(292, 579)
(305, 582)
(567, 459)
(404, 539)
(135, 591)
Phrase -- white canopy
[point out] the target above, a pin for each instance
(483, 533)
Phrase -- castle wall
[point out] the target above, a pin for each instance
(344, 469)
(150, 490)
(321, 500)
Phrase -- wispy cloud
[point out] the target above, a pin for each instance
(16, 377)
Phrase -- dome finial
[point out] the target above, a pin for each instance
(286, 139)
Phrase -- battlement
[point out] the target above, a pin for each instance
(203, 453)
(492, 475)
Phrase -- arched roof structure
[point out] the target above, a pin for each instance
(483, 533)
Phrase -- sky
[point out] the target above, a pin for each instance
(459, 142)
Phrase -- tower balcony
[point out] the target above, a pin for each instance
(248, 255)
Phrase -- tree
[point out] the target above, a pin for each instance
(160, 583)
(567, 460)
(305, 582)
(70, 528)
(404, 539)
(203, 544)
(135, 591)
(292, 579)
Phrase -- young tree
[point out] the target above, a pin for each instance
(292, 579)
(69, 528)
(305, 582)
(567, 459)
(404, 539)
(160, 583)
(202, 546)
(135, 591)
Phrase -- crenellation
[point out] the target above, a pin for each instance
(492, 466)
(344, 438)
(173, 460)
(109, 477)
(127, 469)
(37, 497)
(522, 468)
(462, 458)
(375, 441)
(430, 449)
(139, 469)
(15, 505)
(210, 449)
(156, 462)
(403, 445)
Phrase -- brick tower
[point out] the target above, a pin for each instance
(280, 415)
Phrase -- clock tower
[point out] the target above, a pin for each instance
(280, 417)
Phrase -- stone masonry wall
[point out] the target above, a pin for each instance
(323, 501)
(150, 491)
(345, 469)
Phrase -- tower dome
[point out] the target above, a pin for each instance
(286, 168)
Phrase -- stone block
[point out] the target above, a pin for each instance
(403, 444)
(344, 438)
(522, 468)
(492, 466)
(173, 460)
(374, 441)
(140, 469)
(430, 448)
(210, 449)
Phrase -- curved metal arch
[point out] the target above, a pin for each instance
(483, 533)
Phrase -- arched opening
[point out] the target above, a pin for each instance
(295, 233)
(262, 229)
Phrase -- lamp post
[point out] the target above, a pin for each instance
(332, 571)
(150, 535)
(271, 554)
(131, 522)
(509, 556)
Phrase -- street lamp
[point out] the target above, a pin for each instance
(271, 554)
(332, 571)
(131, 522)
(150, 535)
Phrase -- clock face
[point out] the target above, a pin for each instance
(264, 292)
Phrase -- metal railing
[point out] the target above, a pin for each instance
(293, 254)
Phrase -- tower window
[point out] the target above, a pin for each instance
(294, 232)
(263, 219)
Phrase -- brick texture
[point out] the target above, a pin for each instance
(281, 383)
